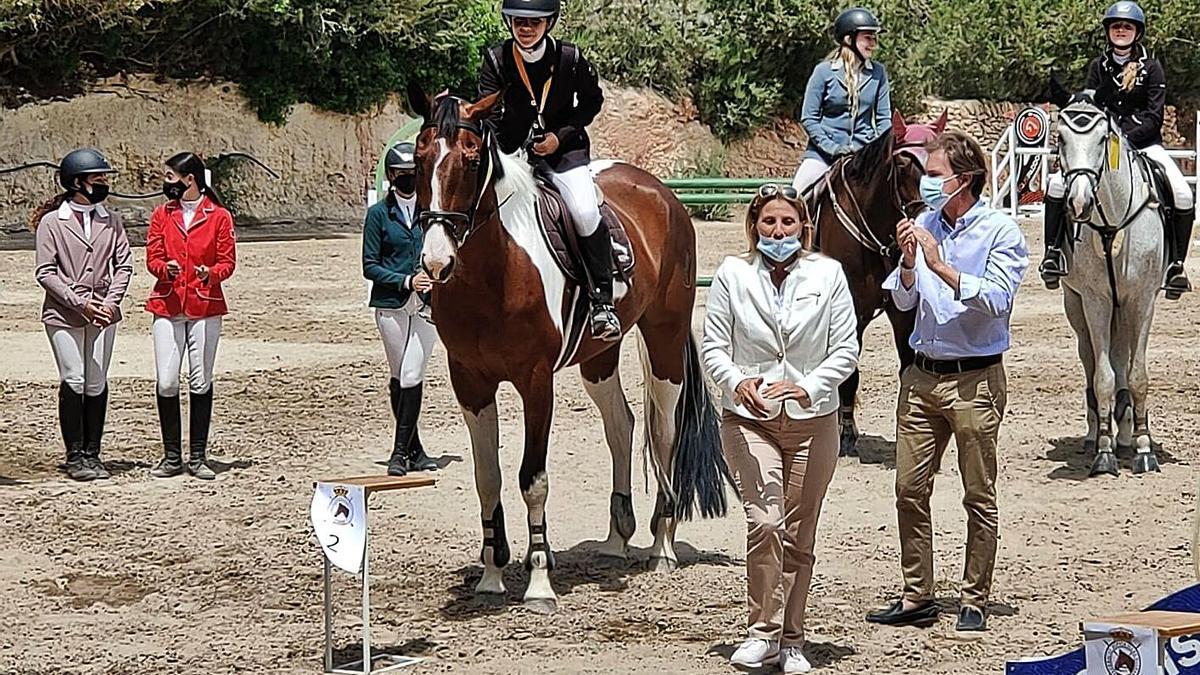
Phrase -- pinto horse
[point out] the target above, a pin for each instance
(506, 313)
(857, 206)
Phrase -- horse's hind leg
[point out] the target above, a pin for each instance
(1122, 347)
(1073, 304)
(478, 403)
(537, 394)
(1139, 387)
(664, 387)
(602, 382)
(1098, 316)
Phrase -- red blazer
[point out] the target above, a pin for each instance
(209, 241)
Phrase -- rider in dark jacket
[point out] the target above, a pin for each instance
(1129, 84)
(551, 94)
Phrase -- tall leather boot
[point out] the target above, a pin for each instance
(596, 251)
(410, 411)
(170, 422)
(1179, 239)
(70, 423)
(398, 462)
(198, 424)
(95, 409)
(1054, 263)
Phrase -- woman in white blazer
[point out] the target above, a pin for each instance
(779, 337)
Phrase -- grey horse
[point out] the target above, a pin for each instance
(1115, 271)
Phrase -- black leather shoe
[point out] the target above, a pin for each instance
(971, 619)
(925, 614)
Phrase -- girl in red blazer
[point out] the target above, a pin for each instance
(190, 251)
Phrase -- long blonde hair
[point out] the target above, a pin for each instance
(756, 207)
(852, 64)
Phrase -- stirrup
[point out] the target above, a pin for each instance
(606, 327)
(1177, 282)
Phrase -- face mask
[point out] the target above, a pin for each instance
(779, 250)
(404, 183)
(174, 190)
(933, 194)
(98, 193)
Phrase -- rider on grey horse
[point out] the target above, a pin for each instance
(1130, 85)
(551, 93)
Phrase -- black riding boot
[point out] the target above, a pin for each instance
(171, 423)
(398, 463)
(596, 251)
(198, 425)
(411, 411)
(95, 409)
(1054, 264)
(1180, 239)
(70, 422)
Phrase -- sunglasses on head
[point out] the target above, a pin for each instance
(772, 189)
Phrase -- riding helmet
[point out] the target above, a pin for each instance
(531, 9)
(1126, 10)
(854, 21)
(82, 162)
(400, 156)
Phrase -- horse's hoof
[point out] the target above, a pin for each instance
(658, 564)
(1145, 462)
(544, 606)
(848, 446)
(620, 508)
(614, 549)
(492, 583)
(1106, 462)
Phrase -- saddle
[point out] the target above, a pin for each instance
(1162, 187)
(558, 230)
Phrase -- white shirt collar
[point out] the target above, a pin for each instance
(64, 209)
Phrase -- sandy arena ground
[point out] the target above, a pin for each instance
(137, 575)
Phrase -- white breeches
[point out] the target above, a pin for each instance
(1184, 198)
(177, 335)
(811, 170)
(408, 342)
(579, 191)
(83, 355)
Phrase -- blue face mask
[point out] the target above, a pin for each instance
(779, 250)
(933, 194)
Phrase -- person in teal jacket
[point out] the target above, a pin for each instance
(392, 242)
(848, 102)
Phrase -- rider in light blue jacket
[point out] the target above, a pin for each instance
(848, 102)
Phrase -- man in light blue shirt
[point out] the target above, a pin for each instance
(961, 264)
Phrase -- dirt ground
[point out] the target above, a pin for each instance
(137, 575)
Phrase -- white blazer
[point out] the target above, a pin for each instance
(805, 332)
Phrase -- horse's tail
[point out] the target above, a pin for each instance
(699, 471)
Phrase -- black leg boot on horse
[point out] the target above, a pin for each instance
(1054, 263)
(70, 422)
(198, 425)
(596, 251)
(170, 422)
(95, 409)
(1179, 238)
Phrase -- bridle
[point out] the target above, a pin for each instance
(462, 224)
(857, 227)
(1081, 122)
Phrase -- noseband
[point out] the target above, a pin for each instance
(1082, 122)
(858, 227)
(460, 224)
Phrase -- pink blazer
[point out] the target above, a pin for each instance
(74, 269)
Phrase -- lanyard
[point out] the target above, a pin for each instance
(533, 98)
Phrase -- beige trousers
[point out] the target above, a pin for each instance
(932, 408)
(782, 467)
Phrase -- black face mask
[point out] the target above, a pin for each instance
(405, 183)
(98, 193)
(174, 190)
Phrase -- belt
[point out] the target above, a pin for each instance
(955, 366)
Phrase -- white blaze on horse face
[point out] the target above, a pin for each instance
(435, 185)
(438, 252)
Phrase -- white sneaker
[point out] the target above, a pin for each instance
(791, 661)
(754, 652)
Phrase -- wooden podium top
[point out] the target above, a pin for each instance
(1168, 624)
(371, 484)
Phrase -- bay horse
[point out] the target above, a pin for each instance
(507, 313)
(856, 207)
(1115, 269)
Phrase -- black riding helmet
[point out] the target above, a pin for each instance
(401, 156)
(852, 22)
(531, 9)
(79, 163)
(1126, 11)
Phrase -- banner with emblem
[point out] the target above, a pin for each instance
(1181, 655)
(1120, 650)
(339, 517)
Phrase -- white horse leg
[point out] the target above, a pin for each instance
(1073, 304)
(1139, 385)
(485, 448)
(609, 396)
(1124, 335)
(662, 397)
(1099, 323)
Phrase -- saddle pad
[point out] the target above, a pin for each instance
(558, 230)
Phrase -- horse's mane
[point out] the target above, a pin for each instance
(872, 158)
